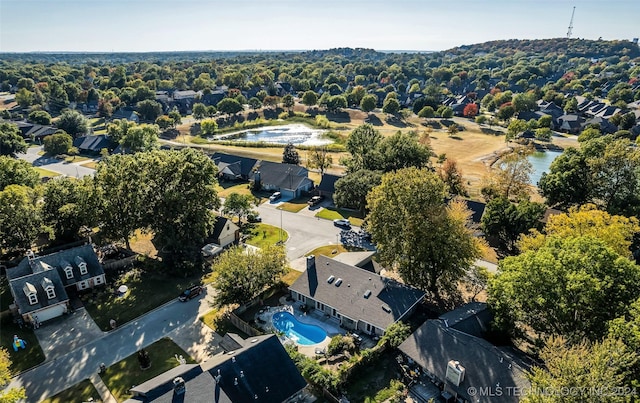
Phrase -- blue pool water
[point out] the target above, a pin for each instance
(301, 333)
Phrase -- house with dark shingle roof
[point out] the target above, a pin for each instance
(358, 299)
(451, 354)
(124, 113)
(289, 179)
(257, 370)
(234, 167)
(327, 186)
(94, 144)
(39, 284)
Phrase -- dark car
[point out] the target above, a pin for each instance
(191, 292)
(315, 200)
(254, 217)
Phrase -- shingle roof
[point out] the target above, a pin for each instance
(94, 143)
(261, 367)
(388, 302)
(60, 259)
(282, 176)
(246, 164)
(35, 281)
(328, 183)
(433, 345)
(221, 222)
(473, 318)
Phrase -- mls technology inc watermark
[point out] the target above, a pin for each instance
(600, 391)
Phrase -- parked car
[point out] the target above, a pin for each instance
(342, 222)
(191, 292)
(275, 196)
(315, 200)
(254, 217)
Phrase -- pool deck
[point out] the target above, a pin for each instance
(330, 325)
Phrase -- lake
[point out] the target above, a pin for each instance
(295, 134)
(541, 161)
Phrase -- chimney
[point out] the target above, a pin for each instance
(311, 262)
(178, 386)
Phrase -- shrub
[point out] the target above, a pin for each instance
(340, 343)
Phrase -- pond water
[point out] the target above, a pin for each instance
(295, 134)
(541, 161)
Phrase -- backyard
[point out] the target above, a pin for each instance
(22, 359)
(121, 376)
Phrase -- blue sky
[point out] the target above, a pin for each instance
(165, 25)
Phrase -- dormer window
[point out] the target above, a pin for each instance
(82, 265)
(48, 287)
(31, 293)
(68, 271)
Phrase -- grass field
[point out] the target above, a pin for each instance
(91, 164)
(333, 213)
(224, 189)
(122, 375)
(265, 234)
(79, 393)
(45, 172)
(22, 359)
(295, 205)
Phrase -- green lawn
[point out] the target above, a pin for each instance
(377, 383)
(265, 234)
(221, 325)
(92, 164)
(224, 189)
(332, 214)
(45, 172)
(291, 276)
(294, 205)
(121, 376)
(148, 289)
(22, 360)
(76, 158)
(328, 250)
(79, 393)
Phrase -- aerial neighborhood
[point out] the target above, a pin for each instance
(341, 225)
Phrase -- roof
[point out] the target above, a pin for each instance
(184, 94)
(67, 256)
(282, 176)
(473, 318)
(94, 143)
(123, 113)
(37, 281)
(477, 210)
(328, 183)
(246, 164)
(357, 259)
(261, 368)
(389, 300)
(221, 222)
(433, 345)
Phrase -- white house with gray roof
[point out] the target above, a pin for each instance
(356, 298)
(39, 284)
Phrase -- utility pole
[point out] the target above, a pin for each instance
(569, 31)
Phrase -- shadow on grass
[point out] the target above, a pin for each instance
(82, 392)
(23, 359)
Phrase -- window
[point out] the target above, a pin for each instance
(68, 271)
(98, 280)
(83, 268)
(33, 299)
(83, 285)
(51, 292)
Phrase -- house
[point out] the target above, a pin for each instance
(35, 131)
(327, 185)
(39, 284)
(184, 100)
(356, 298)
(606, 127)
(451, 353)
(233, 167)
(127, 114)
(257, 369)
(569, 123)
(289, 179)
(225, 233)
(94, 144)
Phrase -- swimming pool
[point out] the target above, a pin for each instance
(301, 333)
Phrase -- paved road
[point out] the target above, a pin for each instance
(305, 231)
(53, 164)
(175, 319)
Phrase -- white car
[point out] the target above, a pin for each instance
(275, 196)
(342, 222)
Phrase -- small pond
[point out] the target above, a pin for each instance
(541, 161)
(295, 134)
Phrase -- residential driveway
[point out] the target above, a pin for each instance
(53, 164)
(67, 333)
(178, 320)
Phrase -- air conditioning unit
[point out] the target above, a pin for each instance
(455, 372)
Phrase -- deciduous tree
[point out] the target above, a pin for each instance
(368, 103)
(426, 240)
(8, 395)
(238, 205)
(142, 137)
(199, 111)
(505, 221)
(68, 205)
(310, 98)
(362, 144)
(58, 143)
(240, 275)
(11, 142)
(229, 106)
(40, 117)
(290, 155)
(351, 190)
(149, 110)
(73, 123)
(510, 177)
(20, 219)
(208, 127)
(402, 150)
(319, 157)
(452, 178)
(17, 172)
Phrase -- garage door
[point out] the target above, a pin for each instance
(49, 313)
